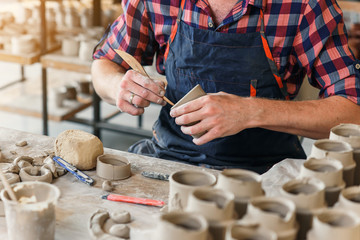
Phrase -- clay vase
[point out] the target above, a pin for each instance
(34, 219)
(308, 194)
(243, 184)
(330, 172)
(339, 150)
(274, 213)
(335, 224)
(216, 205)
(350, 199)
(180, 226)
(349, 133)
(240, 231)
(183, 183)
(193, 94)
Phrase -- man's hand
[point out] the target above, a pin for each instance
(135, 92)
(219, 114)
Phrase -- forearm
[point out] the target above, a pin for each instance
(312, 119)
(106, 77)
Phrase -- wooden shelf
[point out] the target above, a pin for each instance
(58, 61)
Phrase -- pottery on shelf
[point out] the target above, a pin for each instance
(274, 213)
(181, 226)
(328, 171)
(70, 47)
(308, 194)
(243, 184)
(339, 150)
(183, 183)
(335, 224)
(349, 133)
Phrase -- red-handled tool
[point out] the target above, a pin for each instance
(127, 199)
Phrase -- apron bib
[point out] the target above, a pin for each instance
(238, 64)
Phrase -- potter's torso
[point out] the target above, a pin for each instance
(220, 9)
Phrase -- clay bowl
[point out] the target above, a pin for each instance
(113, 167)
(183, 183)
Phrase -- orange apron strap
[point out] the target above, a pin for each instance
(174, 29)
(253, 83)
(274, 70)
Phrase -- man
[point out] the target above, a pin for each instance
(250, 56)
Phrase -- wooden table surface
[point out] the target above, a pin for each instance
(79, 201)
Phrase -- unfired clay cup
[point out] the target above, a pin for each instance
(183, 183)
(308, 194)
(335, 224)
(181, 226)
(330, 172)
(239, 231)
(70, 47)
(350, 199)
(34, 220)
(349, 133)
(274, 213)
(113, 167)
(216, 205)
(339, 150)
(243, 184)
(193, 94)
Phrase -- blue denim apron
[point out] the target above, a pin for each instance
(232, 63)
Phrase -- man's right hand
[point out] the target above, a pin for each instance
(135, 92)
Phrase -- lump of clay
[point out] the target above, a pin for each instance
(120, 216)
(79, 148)
(21, 144)
(107, 186)
(120, 230)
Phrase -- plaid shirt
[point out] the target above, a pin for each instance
(305, 37)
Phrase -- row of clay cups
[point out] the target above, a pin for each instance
(337, 150)
(349, 133)
(197, 192)
(242, 183)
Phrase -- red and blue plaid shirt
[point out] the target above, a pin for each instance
(305, 37)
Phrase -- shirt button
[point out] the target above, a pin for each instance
(211, 25)
(357, 66)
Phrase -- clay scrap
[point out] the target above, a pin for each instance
(110, 226)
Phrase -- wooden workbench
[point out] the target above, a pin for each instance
(79, 201)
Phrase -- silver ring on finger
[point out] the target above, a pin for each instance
(131, 98)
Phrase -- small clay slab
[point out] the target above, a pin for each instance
(193, 94)
(113, 167)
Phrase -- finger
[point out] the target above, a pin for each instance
(191, 106)
(207, 137)
(125, 106)
(136, 100)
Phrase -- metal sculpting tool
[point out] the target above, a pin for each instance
(77, 173)
(127, 199)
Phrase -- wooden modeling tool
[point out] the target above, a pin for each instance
(8, 187)
(135, 65)
(127, 199)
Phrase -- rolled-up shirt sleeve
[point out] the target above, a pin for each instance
(321, 48)
(130, 32)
